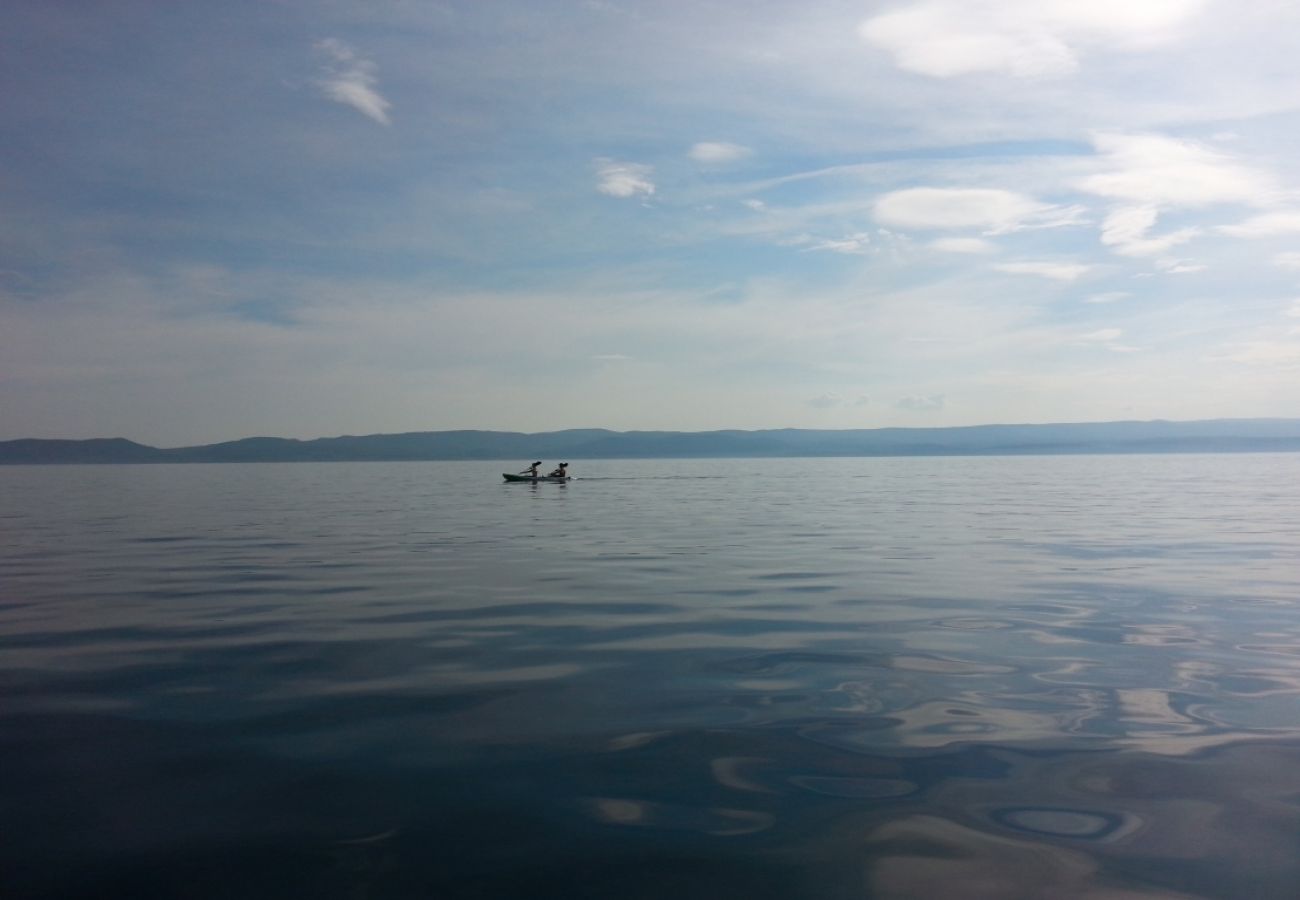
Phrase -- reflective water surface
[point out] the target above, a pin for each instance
(1020, 677)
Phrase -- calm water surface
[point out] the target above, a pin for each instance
(1030, 677)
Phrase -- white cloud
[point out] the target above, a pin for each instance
(756, 205)
(856, 244)
(1179, 266)
(1289, 260)
(996, 211)
(1265, 225)
(351, 80)
(942, 40)
(1107, 297)
(1023, 38)
(718, 152)
(1149, 174)
(921, 404)
(963, 245)
(1126, 228)
(1053, 270)
(1294, 311)
(623, 179)
(1161, 172)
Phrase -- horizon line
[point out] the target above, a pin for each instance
(255, 437)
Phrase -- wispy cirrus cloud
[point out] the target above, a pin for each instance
(350, 80)
(624, 179)
(1172, 266)
(853, 244)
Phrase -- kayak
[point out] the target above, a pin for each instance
(529, 478)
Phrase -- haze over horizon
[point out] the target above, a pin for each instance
(311, 219)
(1217, 429)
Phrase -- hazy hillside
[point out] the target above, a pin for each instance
(1219, 435)
(96, 450)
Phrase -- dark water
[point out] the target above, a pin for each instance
(1069, 677)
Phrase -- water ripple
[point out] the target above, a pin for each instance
(1037, 677)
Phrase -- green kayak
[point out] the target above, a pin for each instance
(532, 479)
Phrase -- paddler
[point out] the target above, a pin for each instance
(561, 471)
(532, 470)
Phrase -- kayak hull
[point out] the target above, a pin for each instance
(530, 479)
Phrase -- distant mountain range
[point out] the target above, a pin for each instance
(1210, 436)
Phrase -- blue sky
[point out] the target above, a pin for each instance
(318, 218)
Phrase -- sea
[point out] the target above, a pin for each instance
(959, 678)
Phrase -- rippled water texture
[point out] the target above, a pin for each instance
(1037, 677)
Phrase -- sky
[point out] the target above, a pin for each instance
(304, 219)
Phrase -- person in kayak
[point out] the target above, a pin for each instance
(532, 470)
(561, 471)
